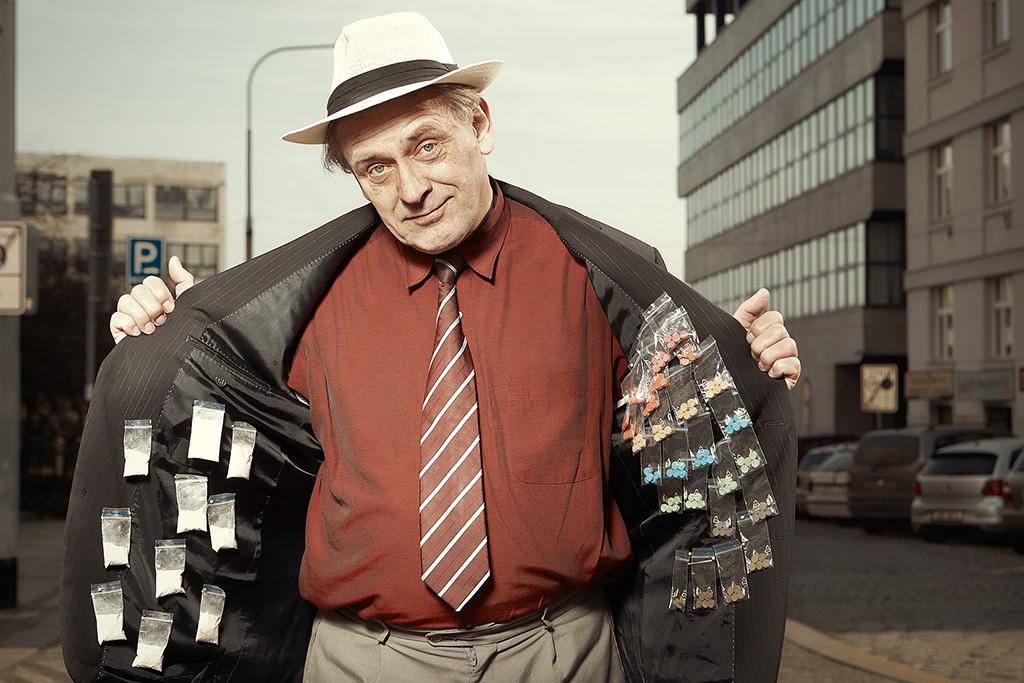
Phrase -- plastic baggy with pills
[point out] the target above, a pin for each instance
(681, 395)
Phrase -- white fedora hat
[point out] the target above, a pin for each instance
(379, 59)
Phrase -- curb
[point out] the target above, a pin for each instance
(817, 642)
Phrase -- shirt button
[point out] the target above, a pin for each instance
(435, 638)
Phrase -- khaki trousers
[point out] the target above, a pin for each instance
(571, 640)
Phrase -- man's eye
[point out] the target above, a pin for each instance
(377, 169)
(428, 147)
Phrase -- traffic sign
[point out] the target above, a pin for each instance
(13, 267)
(145, 258)
(879, 388)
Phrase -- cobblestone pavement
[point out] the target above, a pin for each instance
(953, 609)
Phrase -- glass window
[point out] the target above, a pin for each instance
(997, 16)
(130, 200)
(1001, 303)
(186, 203)
(942, 306)
(942, 37)
(942, 169)
(42, 194)
(200, 259)
(80, 188)
(170, 203)
(1000, 161)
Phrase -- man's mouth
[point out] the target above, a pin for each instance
(430, 217)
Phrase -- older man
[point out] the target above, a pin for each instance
(462, 341)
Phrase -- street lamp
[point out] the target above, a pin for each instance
(248, 137)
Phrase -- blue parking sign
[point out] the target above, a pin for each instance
(145, 258)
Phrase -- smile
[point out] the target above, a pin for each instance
(431, 217)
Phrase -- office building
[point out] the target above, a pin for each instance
(965, 211)
(180, 201)
(790, 148)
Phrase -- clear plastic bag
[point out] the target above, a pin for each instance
(731, 576)
(154, 634)
(695, 489)
(757, 548)
(116, 531)
(243, 443)
(191, 490)
(138, 447)
(722, 510)
(220, 510)
(211, 610)
(108, 606)
(680, 578)
(702, 578)
(757, 495)
(170, 566)
(207, 425)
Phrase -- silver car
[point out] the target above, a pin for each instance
(1013, 506)
(960, 488)
(829, 492)
(810, 462)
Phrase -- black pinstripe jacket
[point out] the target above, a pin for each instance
(229, 341)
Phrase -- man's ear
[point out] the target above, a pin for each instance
(484, 128)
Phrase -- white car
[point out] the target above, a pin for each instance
(828, 495)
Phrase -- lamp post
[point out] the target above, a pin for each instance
(248, 137)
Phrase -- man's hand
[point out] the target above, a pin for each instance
(769, 339)
(147, 306)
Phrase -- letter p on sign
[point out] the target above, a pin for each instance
(145, 258)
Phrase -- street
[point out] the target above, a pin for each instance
(953, 609)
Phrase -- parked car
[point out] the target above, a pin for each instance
(828, 495)
(960, 488)
(811, 460)
(1013, 505)
(886, 463)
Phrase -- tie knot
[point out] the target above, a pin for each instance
(448, 266)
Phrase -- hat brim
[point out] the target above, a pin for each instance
(477, 76)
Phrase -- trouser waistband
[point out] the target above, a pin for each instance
(492, 632)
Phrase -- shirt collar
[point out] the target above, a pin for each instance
(480, 248)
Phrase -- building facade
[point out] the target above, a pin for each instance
(965, 211)
(180, 201)
(791, 124)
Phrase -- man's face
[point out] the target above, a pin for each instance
(422, 168)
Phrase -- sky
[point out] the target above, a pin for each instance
(584, 109)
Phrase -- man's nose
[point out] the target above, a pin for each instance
(413, 184)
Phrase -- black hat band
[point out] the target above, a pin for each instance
(382, 79)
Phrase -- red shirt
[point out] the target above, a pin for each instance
(546, 365)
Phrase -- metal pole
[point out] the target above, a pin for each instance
(248, 136)
(10, 334)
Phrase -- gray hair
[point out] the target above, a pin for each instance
(461, 101)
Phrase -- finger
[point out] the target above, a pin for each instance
(779, 351)
(789, 368)
(181, 278)
(752, 307)
(159, 292)
(122, 325)
(763, 322)
(141, 306)
(768, 338)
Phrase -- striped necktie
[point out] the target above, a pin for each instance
(453, 534)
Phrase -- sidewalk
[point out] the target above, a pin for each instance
(30, 633)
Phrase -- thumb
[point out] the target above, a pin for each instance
(181, 278)
(751, 308)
